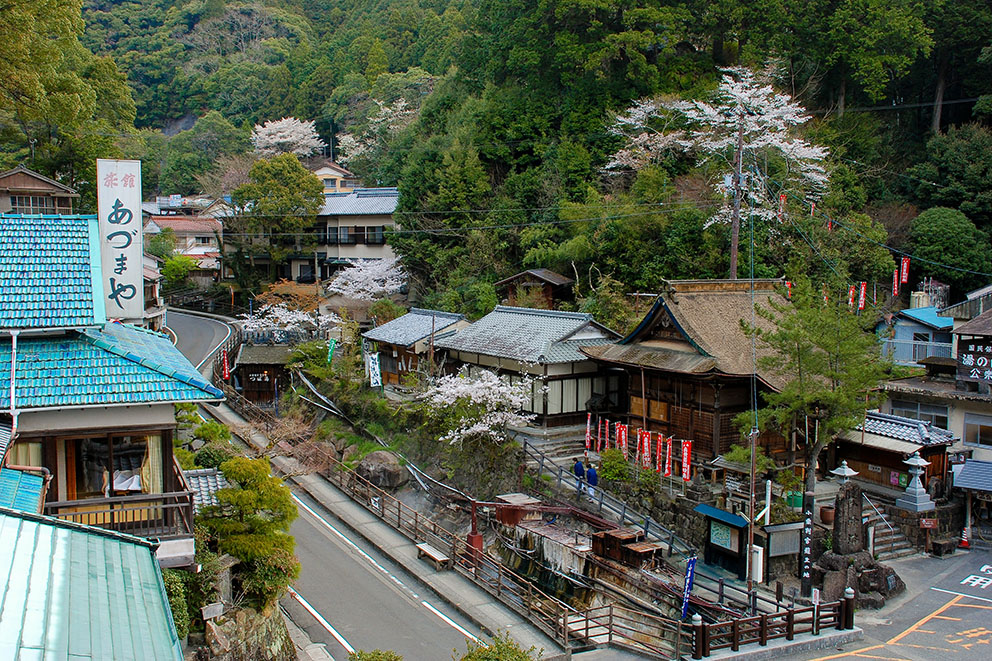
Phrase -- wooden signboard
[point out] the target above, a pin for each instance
(928, 524)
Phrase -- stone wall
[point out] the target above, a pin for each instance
(950, 522)
(247, 635)
(675, 512)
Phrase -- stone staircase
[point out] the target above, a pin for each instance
(562, 445)
(889, 543)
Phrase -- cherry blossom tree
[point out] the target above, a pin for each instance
(477, 406)
(281, 317)
(369, 279)
(286, 136)
(747, 126)
(384, 123)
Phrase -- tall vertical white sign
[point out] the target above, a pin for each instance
(119, 207)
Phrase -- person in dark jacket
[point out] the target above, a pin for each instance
(580, 475)
(592, 479)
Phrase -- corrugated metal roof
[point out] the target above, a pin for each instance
(47, 279)
(75, 592)
(361, 202)
(928, 316)
(412, 327)
(975, 475)
(21, 490)
(117, 364)
(205, 482)
(533, 336)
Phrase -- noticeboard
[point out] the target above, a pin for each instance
(974, 361)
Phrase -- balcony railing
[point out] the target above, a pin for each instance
(158, 515)
(910, 352)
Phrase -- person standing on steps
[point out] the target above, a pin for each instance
(580, 474)
(592, 480)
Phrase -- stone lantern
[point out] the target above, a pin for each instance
(843, 473)
(916, 498)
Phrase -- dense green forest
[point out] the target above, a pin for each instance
(496, 120)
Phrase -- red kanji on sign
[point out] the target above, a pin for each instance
(227, 367)
(686, 460)
(668, 457)
(904, 273)
(861, 296)
(895, 282)
(588, 430)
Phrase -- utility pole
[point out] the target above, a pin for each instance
(735, 226)
(753, 437)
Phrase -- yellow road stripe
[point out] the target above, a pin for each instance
(923, 621)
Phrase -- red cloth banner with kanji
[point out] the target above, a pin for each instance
(668, 456)
(904, 270)
(227, 366)
(588, 430)
(659, 457)
(861, 296)
(850, 297)
(895, 282)
(622, 440)
(646, 455)
(686, 460)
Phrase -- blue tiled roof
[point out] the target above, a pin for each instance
(117, 364)
(735, 520)
(533, 336)
(76, 592)
(975, 475)
(412, 327)
(20, 490)
(928, 316)
(47, 279)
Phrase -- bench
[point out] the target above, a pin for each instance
(439, 558)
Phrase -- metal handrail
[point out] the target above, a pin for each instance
(892, 539)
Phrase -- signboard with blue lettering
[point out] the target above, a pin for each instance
(690, 573)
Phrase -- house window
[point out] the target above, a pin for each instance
(203, 240)
(330, 183)
(32, 204)
(935, 415)
(359, 232)
(25, 453)
(977, 429)
(921, 348)
(374, 235)
(345, 236)
(332, 236)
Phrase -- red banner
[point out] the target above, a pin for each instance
(788, 287)
(616, 435)
(668, 456)
(904, 272)
(686, 460)
(781, 206)
(622, 440)
(227, 366)
(588, 430)
(638, 436)
(861, 296)
(895, 282)
(659, 453)
(850, 297)
(646, 455)
(812, 209)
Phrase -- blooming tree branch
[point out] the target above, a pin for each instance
(282, 317)
(744, 114)
(385, 122)
(286, 136)
(480, 405)
(369, 279)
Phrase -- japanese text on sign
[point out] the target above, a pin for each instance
(119, 209)
(975, 360)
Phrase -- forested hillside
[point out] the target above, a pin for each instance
(496, 118)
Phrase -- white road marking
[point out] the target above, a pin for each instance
(962, 594)
(447, 620)
(320, 618)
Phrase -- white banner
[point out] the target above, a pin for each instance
(375, 376)
(119, 208)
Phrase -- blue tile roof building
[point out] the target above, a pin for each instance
(114, 365)
(21, 490)
(47, 275)
(75, 592)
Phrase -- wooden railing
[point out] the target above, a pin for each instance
(162, 516)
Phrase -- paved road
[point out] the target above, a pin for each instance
(348, 596)
(946, 614)
(196, 336)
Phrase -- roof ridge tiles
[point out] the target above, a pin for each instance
(583, 316)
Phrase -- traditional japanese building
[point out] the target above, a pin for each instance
(407, 340)
(27, 192)
(90, 402)
(688, 368)
(542, 287)
(542, 344)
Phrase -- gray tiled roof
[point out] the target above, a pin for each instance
(906, 429)
(412, 327)
(975, 475)
(205, 482)
(533, 336)
(361, 202)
